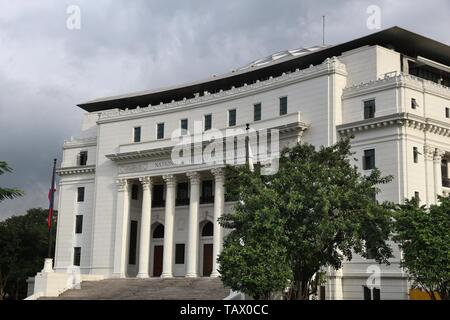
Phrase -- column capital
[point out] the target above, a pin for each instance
(170, 180)
(194, 177)
(122, 184)
(146, 182)
(218, 173)
(438, 154)
(428, 152)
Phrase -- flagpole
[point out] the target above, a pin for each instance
(50, 217)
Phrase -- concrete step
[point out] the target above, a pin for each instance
(148, 289)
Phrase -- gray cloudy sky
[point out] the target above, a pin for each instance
(123, 46)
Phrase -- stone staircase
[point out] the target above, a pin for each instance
(148, 289)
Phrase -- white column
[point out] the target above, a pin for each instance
(437, 173)
(429, 174)
(171, 185)
(146, 215)
(121, 234)
(219, 195)
(192, 254)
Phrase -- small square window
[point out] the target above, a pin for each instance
(83, 158)
(369, 109)
(415, 155)
(80, 194)
(160, 131)
(77, 256)
(208, 121)
(79, 224)
(184, 126)
(137, 134)
(257, 112)
(232, 117)
(369, 159)
(283, 106)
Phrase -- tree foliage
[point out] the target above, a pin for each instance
(316, 211)
(8, 193)
(23, 248)
(424, 237)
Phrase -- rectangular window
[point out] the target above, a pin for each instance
(134, 192)
(414, 104)
(160, 130)
(444, 173)
(184, 126)
(158, 196)
(77, 256)
(415, 155)
(283, 106)
(367, 293)
(182, 194)
(137, 134)
(79, 224)
(447, 113)
(369, 159)
(133, 242)
(417, 196)
(83, 158)
(232, 117)
(257, 112)
(179, 253)
(208, 121)
(369, 109)
(207, 192)
(376, 294)
(80, 194)
(322, 292)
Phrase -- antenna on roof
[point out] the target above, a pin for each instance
(323, 30)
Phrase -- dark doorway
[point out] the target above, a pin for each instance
(158, 261)
(207, 259)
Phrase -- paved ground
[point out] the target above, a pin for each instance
(148, 289)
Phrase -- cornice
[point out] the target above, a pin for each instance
(397, 81)
(329, 66)
(80, 142)
(76, 170)
(399, 119)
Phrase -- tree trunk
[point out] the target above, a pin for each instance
(300, 288)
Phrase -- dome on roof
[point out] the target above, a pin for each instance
(281, 55)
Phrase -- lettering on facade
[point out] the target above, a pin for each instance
(146, 166)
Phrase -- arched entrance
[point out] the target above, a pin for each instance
(206, 247)
(157, 249)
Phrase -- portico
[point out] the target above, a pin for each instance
(210, 197)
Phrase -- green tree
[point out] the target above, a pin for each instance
(23, 248)
(251, 262)
(323, 211)
(8, 193)
(424, 237)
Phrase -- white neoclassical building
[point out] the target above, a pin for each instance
(126, 209)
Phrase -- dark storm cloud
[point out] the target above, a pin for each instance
(46, 69)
